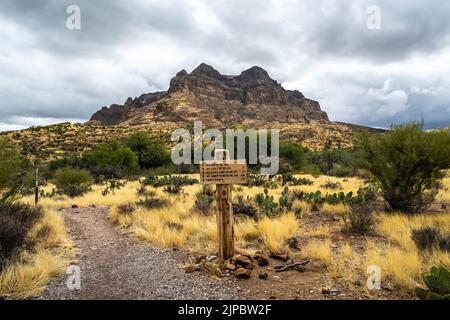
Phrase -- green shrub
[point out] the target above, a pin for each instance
(180, 181)
(153, 203)
(293, 153)
(256, 180)
(332, 162)
(150, 152)
(174, 190)
(110, 160)
(331, 185)
(438, 284)
(300, 182)
(72, 182)
(112, 185)
(13, 170)
(407, 164)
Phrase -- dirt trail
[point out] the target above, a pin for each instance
(115, 266)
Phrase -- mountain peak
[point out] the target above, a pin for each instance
(252, 98)
(206, 70)
(255, 76)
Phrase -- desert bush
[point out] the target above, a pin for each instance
(16, 221)
(429, 238)
(111, 185)
(73, 161)
(72, 182)
(13, 170)
(359, 218)
(331, 185)
(142, 191)
(293, 153)
(174, 190)
(153, 203)
(110, 160)
(204, 200)
(126, 208)
(150, 152)
(256, 180)
(332, 162)
(180, 181)
(300, 181)
(407, 164)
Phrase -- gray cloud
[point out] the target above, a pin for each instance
(323, 48)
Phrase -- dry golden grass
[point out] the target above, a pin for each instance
(94, 197)
(338, 209)
(444, 194)
(178, 226)
(29, 275)
(319, 250)
(400, 260)
(275, 231)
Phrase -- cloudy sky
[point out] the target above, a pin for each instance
(397, 73)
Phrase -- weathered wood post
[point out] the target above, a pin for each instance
(36, 188)
(223, 172)
(224, 213)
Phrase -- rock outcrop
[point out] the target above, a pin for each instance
(251, 99)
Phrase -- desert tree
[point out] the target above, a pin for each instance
(407, 164)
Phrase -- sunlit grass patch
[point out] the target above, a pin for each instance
(319, 250)
(275, 231)
(29, 274)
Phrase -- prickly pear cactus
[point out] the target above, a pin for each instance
(438, 284)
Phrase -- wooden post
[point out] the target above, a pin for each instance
(36, 188)
(225, 220)
(224, 172)
(224, 212)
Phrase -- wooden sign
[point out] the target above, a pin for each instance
(223, 172)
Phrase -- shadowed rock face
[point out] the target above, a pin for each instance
(251, 98)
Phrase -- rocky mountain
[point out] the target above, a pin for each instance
(250, 99)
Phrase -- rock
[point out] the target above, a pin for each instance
(242, 273)
(230, 266)
(293, 243)
(325, 291)
(262, 259)
(334, 291)
(199, 259)
(282, 257)
(253, 96)
(263, 276)
(189, 269)
(299, 268)
(242, 260)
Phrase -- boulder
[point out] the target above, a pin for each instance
(242, 273)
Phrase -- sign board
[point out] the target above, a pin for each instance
(223, 172)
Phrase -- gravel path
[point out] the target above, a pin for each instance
(115, 266)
